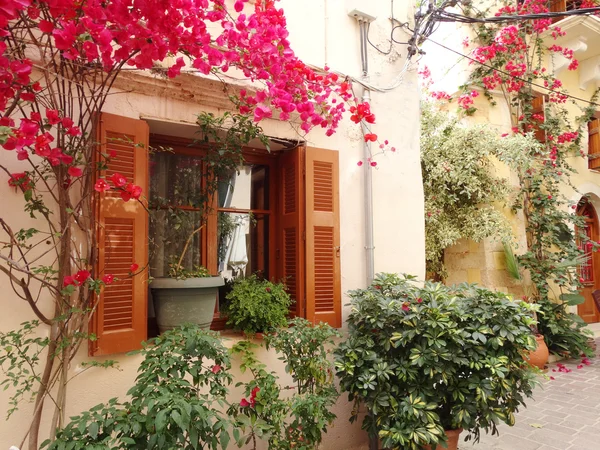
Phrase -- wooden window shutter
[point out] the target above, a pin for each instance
(323, 281)
(594, 144)
(537, 107)
(120, 318)
(290, 248)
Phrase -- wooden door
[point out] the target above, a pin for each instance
(589, 272)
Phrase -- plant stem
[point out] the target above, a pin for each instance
(187, 244)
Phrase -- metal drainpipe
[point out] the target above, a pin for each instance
(369, 238)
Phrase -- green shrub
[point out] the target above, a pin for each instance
(257, 306)
(288, 422)
(564, 333)
(175, 402)
(426, 359)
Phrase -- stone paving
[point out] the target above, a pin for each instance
(564, 414)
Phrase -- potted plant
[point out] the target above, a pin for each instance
(257, 306)
(186, 296)
(430, 361)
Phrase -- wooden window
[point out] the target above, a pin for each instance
(323, 284)
(119, 321)
(538, 117)
(290, 200)
(563, 5)
(594, 144)
(586, 270)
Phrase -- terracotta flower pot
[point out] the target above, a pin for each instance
(538, 357)
(453, 436)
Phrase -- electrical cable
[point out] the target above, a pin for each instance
(531, 83)
(447, 16)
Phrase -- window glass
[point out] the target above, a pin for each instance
(243, 244)
(246, 188)
(176, 180)
(174, 200)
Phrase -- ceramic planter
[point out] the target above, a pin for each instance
(185, 301)
(538, 357)
(452, 436)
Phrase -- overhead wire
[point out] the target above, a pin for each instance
(531, 83)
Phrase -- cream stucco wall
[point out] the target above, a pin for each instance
(321, 33)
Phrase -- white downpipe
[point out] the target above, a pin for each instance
(369, 238)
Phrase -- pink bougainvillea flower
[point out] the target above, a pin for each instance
(75, 172)
(244, 403)
(134, 267)
(82, 276)
(108, 278)
(373, 163)
(406, 306)
(216, 368)
(261, 112)
(359, 163)
(238, 6)
(419, 300)
(101, 185)
(118, 180)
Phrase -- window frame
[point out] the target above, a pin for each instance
(209, 253)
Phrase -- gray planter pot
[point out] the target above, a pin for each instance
(185, 301)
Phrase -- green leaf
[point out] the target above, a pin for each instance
(572, 299)
(93, 430)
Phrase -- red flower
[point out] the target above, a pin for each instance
(118, 180)
(360, 163)
(255, 391)
(268, 289)
(373, 163)
(108, 278)
(20, 180)
(45, 26)
(419, 300)
(216, 369)
(370, 137)
(82, 275)
(406, 306)
(75, 172)
(52, 116)
(244, 403)
(134, 267)
(101, 185)
(70, 281)
(131, 191)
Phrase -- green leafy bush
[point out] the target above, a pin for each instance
(565, 333)
(176, 401)
(426, 359)
(288, 422)
(459, 184)
(257, 306)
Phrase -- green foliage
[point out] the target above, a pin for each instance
(296, 422)
(460, 185)
(257, 306)
(20, 352)
(176, 401)
(564, 333)
(425, 359)
(304, 349)
(179, 272)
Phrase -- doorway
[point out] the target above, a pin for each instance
(588, 271)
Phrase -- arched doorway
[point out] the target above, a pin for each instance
(590, 270)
